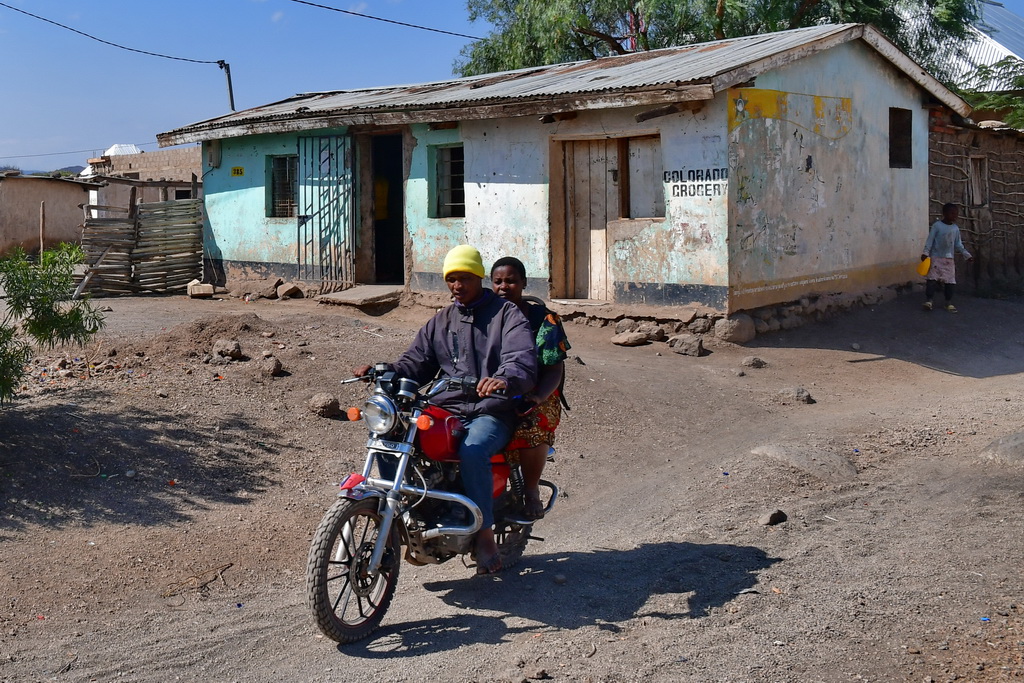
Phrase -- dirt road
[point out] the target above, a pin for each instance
(155, 513)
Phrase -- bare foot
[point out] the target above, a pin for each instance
(488, 559)
(533, 508)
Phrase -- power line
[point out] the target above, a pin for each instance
(389, 21)
(107, 42)
(77, 151)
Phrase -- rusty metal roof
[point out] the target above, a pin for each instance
(672, 69)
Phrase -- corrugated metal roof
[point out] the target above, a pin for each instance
(673, 68)
(994, 38)
(1006, 27)
(669, 66)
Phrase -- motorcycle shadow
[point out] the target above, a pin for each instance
(603, 587)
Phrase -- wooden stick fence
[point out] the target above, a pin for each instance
(154, 247)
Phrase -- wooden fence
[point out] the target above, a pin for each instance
(154, 247)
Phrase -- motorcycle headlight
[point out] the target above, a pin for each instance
(380, 414)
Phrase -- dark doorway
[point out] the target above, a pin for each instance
(388, 215)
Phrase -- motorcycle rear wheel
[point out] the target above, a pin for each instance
(511, 540)
(347, 602)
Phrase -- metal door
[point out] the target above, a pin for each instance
(326, 232)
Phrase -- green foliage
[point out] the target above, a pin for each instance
(39, 309)
(1008, 102)
(537, 32)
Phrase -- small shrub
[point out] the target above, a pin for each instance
(40, 310)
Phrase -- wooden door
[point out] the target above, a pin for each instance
(591, 200)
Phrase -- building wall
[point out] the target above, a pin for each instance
(771, 193)
(20, 199)
(237, 231)
(817, 207)
(178, 163)
(981, 171)
(510, 210)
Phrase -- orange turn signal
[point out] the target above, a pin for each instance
(354, 414)
(424, 422)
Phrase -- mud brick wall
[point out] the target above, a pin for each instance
(168, 164)
(980, 169)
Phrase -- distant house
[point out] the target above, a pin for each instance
(35, 209)
(735, 174)
(156, 176)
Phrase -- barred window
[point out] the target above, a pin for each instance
(450, 183)
(284, 171)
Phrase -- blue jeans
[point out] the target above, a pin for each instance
(485, 436)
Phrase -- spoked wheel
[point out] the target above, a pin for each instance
(347, 601)
(512, 540)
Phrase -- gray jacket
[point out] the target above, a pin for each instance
(490, 339)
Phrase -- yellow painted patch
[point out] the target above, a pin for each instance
(746, 296)
(829, 117)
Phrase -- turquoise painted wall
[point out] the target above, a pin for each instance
(237, 226)
(431, 238)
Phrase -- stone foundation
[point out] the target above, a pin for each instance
(740, 327)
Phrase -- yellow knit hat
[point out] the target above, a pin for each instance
(464, 259)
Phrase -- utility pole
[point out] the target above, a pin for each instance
(227, 72)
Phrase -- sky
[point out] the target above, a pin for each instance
(65, 97)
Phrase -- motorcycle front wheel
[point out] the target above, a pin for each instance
(347, 601)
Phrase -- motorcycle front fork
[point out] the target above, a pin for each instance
(388, 509)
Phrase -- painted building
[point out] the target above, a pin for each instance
(41, 211)
(734, 174)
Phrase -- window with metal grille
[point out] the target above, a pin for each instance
(284, 171)
(450, 184)
(901, 150)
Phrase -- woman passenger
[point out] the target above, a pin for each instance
(533, 439)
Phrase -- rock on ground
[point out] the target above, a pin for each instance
(324, 405)
(227, 348)
(738, 329)
(630, 339)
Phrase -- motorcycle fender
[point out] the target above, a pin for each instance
(360, 494)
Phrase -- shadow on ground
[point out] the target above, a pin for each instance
(985, 338)
(568, 591)
(69, 463)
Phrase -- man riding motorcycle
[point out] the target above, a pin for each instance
(478, 335)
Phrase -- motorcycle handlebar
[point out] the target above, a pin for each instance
(462, 383)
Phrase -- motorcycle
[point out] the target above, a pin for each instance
(408, 494)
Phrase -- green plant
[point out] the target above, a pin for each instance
(40, 309)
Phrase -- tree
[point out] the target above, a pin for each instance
(537, 32)
(39, 310)
(1008, 102)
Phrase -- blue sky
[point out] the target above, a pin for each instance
(62, 92)
(65, 97)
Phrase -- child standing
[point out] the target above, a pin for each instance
(943, 241)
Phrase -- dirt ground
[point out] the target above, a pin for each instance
(156, 510)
